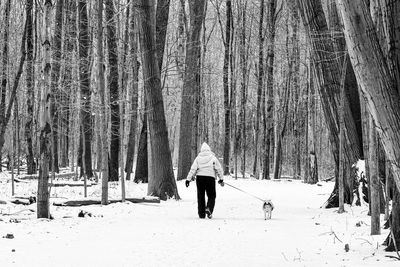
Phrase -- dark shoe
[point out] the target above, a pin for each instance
(209, 214)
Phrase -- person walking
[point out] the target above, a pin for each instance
(205, 170)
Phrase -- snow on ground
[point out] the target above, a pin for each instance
(170, 233)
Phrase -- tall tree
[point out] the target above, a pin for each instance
(43, 210)
(268, 121)
(103, 106)
(55, 75)
(191, 87)
(162, 183)
(113, 88)
(84, 82)
(30, 85)
(373, 75)
(142, 165)
(3, 86)
(327, 77)
(134, 97)
(227, 97)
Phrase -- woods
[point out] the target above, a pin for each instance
(127, 90)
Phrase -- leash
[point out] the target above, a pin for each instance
(263, 200)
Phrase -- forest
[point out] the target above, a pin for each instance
(114, 91)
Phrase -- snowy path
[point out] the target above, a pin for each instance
(170, 234)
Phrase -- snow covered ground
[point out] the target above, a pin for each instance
(170, 233)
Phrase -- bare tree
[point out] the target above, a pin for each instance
(30, 84)
(191, 87)
(55, 75)
(43, 210)
(270, 59)
(113, 88)
(162, 184)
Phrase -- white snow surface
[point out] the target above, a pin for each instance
(300, 233)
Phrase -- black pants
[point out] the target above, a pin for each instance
(205, 184)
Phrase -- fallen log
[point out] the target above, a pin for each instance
(72, 184)
(67, 175)
(88, 202)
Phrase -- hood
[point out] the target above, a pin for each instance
(205, 155)
(205, 147)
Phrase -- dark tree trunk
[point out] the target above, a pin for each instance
(84, 79)
(162, 16)
(374, 77)
(30, 85)
(113, 88)
(3, 85)
(191, 88)
(327, 74)
(103, 106)
(260, 87)
(227, 101)
(162, 182)
(55, 75)
(268, 123)
(141, 172)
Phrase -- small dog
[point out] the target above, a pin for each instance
(267, 208)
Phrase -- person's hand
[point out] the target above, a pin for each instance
(187, 183)
(221, 182)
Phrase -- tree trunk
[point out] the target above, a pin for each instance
(103, 106)
(373, 75)
(30, 85)
(326, 70)
(374, 180)
(162, 16)
(135, 90)
(312, 161)
(113, 88)
(227, 101)
(191, 87)
(260, 87)
(268, 128)
(162, 184)
(3, 86)
(45, 121)
(55, 75)
(243, 87)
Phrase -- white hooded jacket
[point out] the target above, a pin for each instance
(205, 164)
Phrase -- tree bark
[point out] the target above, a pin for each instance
(268, 124)
(113, 88)
(374, 77)
(227, 101)
(162, 184)
(162, 16)
(43, 210)
(55, 75)
(191, 88)
(312, 161)
(30, 85)
(374, 180)
(326, 71)
(260, 87)
(103, 106)
(134, 100)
